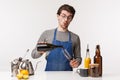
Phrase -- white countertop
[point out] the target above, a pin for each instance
(60, 75)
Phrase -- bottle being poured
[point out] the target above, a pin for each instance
(47, 47)
(43, 47)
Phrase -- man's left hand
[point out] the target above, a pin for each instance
(74, 63)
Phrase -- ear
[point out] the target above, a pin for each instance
(58, 15)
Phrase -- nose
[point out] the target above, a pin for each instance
(66, 19)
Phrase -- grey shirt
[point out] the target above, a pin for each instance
(47, 36)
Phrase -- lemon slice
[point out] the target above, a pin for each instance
(25, 76)
(19, 76)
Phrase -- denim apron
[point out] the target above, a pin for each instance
(56, 61)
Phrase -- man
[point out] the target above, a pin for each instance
(56, 60)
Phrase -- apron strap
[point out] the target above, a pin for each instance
(55, 34)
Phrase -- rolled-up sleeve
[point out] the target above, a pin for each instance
(35, 54)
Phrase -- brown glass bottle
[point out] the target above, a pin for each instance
(98, 59)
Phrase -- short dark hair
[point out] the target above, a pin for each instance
(67, 8)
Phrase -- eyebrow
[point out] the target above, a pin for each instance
(65, 14)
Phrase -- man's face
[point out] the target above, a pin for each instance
(64, 19)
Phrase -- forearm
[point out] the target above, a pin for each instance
(77, 55)
(79, 60)
(35, 54)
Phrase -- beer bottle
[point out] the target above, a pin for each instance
(87, 59)
(98, 59)
(47, 46)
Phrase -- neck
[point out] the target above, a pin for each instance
(62, 29)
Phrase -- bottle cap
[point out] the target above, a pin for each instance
(87, 47)
(98, 46)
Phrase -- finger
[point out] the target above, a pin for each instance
(73, 63)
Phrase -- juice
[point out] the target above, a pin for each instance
(87, 61)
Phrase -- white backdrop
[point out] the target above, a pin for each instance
(23, 21)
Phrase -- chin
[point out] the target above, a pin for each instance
(65, 28)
